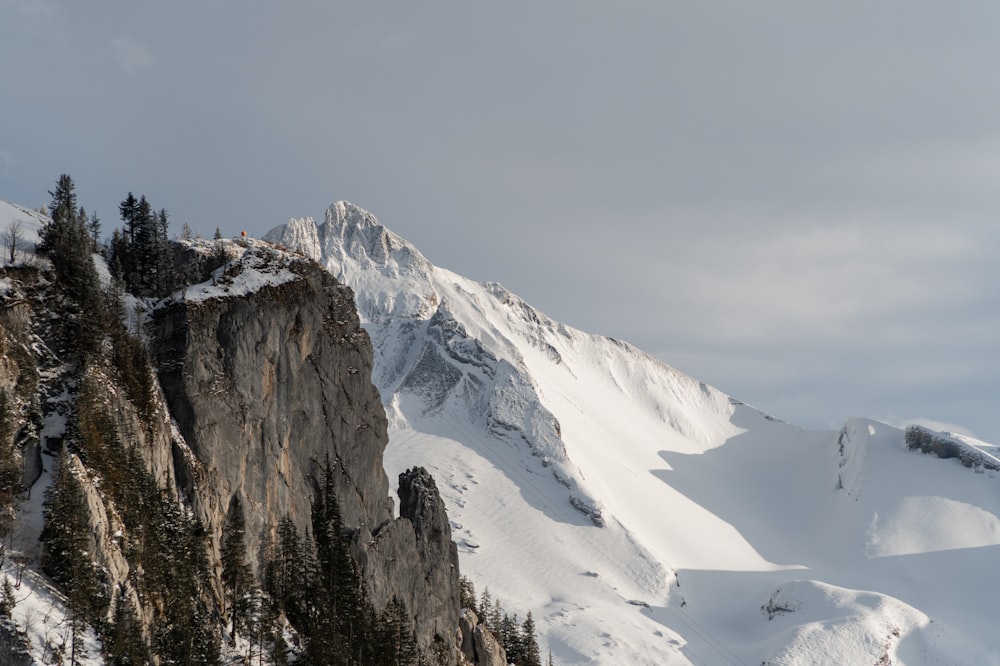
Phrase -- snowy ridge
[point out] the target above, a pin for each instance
(427, 358)
(259, 265)
(30, 223)
(729, 537)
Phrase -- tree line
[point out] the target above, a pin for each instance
(518, 638)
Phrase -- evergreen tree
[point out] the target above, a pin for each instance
(66, 554)
(341, 630)
(7, 599)
(84, 219)
(10, 462)
(495, 616)
(143, 250)
(485, 607)
(186, 633)
(94, 228)
(67, 244)
(287, 576)
(166, 275)
(128, 211)
(123, 644)
(236, 576)
(272, 630)
(530, 654)
(509, 635)
(121, 256)
(397, 644)
(62, 211)
(466, 593)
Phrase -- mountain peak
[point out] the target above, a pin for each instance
(595, 477)
(351, 238)
(346, 213)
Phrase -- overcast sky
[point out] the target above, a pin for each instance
(793, 201)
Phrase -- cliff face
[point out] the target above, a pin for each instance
(414, 558)
(262, 379)
(267, 379)
(265, 387)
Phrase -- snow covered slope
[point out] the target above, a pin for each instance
(25, 224)
(646, 518)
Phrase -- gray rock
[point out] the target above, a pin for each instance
(265, 387)
(479, 645)
(258, 388)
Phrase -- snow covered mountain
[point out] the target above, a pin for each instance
(646, 518)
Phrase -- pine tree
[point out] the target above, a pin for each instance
(466, 593)
(128, 209)
(287, 575)
(165, 274)
(143, 251)
(186, 633)
(62, 211)
(10, 461)
(236, 575)
(145, 247)
(485, 607)
(124, 645)
(66, 554)
(94, 227)
(530, 654)
(121, 257)
(7, 599)
(67, 244)
(509, 636)
(341, 630)
(397, 644)
(495, 616)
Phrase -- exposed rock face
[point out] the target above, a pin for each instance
(928, 441)
(20, 419)
(430, 349)
(479, 645)
(264, 377)
(426, 576)
(266, 386)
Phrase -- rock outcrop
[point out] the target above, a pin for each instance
(262, 380)
(266, 387)
(267, 384)
(415, 558)
(924, 440)
(479, 645)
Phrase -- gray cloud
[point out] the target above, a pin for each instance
(792, 201)
(131, 55)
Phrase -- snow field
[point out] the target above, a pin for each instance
(864, 551)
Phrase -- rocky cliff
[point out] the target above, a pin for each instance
(268, 376)
(262, 379)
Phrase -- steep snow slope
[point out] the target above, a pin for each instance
(26, 222)
(646, 518)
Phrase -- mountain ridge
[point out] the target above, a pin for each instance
(690, 484)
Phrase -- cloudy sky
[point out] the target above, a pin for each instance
(794, 201)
